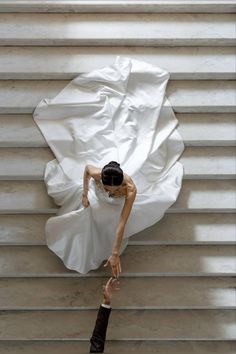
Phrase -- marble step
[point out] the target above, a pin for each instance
(197, 96)
(196, 130)
(206, 129)
(124, 324)
(113, 30)
(209, 162)
(189, 229)
(74, 294)
(120, 6)
(196, 196)
(137, 261)
(118, 346)
(183, 63)
(198, 162)
(174, 229)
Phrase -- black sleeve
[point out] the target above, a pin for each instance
(99, 333)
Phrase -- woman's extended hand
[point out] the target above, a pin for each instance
(85, 201)
(114, 262)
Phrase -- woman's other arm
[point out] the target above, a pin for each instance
(89, 171)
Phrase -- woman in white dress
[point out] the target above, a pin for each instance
(115, 113)
(117, 184)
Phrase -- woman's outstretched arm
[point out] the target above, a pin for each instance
(114, 259)
(123, 219)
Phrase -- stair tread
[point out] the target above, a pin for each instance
(41, 299)
(203, 162)
(67, 62)
(189, 228)
(22, 96)
(166, 324)
(198, 162)
(128, 6)
(202, 195)
(109, 29)
(172, 228)
(116, 346)
(196, 130)
(207, 129)
(169, 260)
(71, 293)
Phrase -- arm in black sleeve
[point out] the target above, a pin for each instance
(99, 333)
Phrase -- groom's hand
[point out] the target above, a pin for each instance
(108, 289)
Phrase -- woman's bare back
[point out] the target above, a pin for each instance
(121, 191)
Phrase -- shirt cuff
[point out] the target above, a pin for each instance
(107, 306)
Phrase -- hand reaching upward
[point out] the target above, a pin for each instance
(109, 288)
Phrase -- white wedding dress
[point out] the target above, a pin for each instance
(117, 113)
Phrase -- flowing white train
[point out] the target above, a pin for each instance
(117, 113)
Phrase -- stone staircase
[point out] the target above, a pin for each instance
(177, 287)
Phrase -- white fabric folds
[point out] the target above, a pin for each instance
(117, 113)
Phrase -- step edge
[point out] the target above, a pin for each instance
(124, 275)
(130, 7)
(115, 308)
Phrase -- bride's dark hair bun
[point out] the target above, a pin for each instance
(112, 174)
(113, 164)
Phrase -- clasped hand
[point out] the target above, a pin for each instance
(114, 262)
(85, 201)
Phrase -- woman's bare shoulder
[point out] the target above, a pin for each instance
(131, 187)
(94, 171)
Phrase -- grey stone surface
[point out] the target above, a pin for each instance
(67, 62)
(207, 129)
(20, 130)
(202, 96)
(141, 324)
(109, 29)
(178, 228)
(199, 96)
(206, 196)
(190, 228)
(142, 293)
(136, 260)
(209, 162)
(116, 346)
(136, 6)
(198, 162)
(30, 196)
(211, 129)
(195, 196)
(22, 229)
